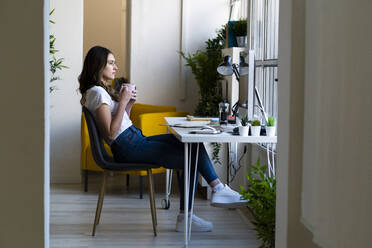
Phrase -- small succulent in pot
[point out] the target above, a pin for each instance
(256, 128)
(244, 121)
(256, 123)
(244, 128)
(270, 126)
(270, 122)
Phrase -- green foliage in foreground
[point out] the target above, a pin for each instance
(261, 196)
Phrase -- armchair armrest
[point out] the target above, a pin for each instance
(139, 109)
(150, 123)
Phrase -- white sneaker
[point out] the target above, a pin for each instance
(227, 198)
(198, 224)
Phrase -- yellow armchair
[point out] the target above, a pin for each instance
(145, 117)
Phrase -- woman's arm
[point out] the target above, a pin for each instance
(131, 101)
(129, 107)
(111, 125)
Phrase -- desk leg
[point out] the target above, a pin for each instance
(228, 165)
(186, 192)
(193, 185)
(168, 183)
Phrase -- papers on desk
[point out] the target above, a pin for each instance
(202, 127)
(192, 118)
(192, 124)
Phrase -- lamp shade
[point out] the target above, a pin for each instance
(243, 67)
(225, 67)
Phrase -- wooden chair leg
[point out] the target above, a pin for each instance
(85, 180)
(153, 197)
(102, 192)
(141, 186)
(152, 201)
(99, 203)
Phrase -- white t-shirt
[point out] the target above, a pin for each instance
(96, 96)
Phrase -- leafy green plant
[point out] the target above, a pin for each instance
(270, 122)
(203, 65)
(240, 27)
(256, 123)
(216, 151)
(261, 196)
(54, 63)
(244, 121)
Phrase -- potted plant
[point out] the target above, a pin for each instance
(244, 128)
(261, 196)
(256, 128)
(270, 126)
(240, 30)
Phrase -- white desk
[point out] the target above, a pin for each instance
(185, 137)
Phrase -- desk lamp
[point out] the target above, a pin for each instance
(226, 68)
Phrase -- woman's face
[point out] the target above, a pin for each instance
(110, 69)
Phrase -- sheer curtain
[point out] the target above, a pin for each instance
(239, 9)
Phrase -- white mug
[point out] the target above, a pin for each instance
(132, 88)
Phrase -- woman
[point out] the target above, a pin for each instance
(112, 110)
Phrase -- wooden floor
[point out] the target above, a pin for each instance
(126, 220)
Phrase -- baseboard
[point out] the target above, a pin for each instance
(68, 179)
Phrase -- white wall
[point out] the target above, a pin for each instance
(155, 40)
(337, 168)
(105, 25)
(290, 232)
(65, 101)
(324, 170)
(24, 124)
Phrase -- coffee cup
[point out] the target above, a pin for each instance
(132, 87)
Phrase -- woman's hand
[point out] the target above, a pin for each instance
(125, 95)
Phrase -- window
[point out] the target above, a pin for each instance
(263, 23)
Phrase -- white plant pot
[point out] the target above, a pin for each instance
(243, 130)
(270, 131)
(255, 130)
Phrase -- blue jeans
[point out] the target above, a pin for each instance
(163, 150)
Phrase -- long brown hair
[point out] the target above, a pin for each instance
(94, 63)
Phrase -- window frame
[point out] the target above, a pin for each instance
(262, 31)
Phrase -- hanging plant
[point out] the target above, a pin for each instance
(54, 63)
